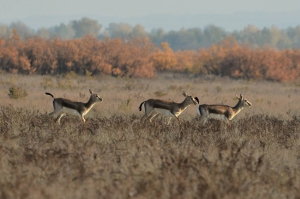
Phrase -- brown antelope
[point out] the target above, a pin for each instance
(167, 108)
(222, 112)
(62, 106)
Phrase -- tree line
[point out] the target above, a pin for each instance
(140, 57)
(183, 39)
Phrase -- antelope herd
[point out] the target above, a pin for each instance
(153, 107)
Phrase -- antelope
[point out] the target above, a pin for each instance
(62, 106)
(167, 108)
(222, 112)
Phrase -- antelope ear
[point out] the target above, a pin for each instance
(90, 91)
(184, 94)
(241, 96)
(237, 97)
(197, 99)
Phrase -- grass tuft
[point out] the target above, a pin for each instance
(121, 157)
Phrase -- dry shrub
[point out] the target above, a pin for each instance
(125, 106)
(121, 157)
(48, 82)
(160, 93)
(17, 92)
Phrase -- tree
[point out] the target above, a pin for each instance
(213, 35)
(165, 59)
(3, 31)
(23, 30)
(122, 30)
(86, 26)
(294, 35)
(43, 33)
(157, 36)
(138, 31)
(62, 31)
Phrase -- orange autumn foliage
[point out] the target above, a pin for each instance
(139, 57)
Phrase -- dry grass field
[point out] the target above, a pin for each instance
(114, 155)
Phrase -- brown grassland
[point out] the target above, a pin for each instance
(115, 155)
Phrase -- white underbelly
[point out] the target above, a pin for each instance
(163, 112)
(217, 116)
(70, 111)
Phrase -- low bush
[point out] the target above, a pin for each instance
(17, 92)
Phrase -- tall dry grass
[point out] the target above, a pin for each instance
(114, 155)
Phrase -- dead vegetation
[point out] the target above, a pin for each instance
(114, 155)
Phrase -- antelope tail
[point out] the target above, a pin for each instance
(49, 94)
(140, 108)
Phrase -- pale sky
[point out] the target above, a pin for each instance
(20, 9)
(128, 8)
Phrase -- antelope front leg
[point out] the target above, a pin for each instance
(59, 117)
(178, 120)
(203, 120)
(169, 120)
(82, 118)
(152, 116)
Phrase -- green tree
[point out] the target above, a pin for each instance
(121, 30)
(294, 35)
(138, 31)
(213, 35)
(62, 31)
(3, 31)
(23, 30)
(86, 26)
(157, 36)
(43, 33)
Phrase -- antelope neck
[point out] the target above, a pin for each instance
(90, 103)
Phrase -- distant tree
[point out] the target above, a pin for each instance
(190, 39)
(275, 36)
(122, 30)
(264, 37)
(213, 35)
(284, 42)
(193, 38)
(249, 36)
(138, 31)
(294, 35)
(157, 36)
(62, 31)
(3, 31)
(43, 33)
(199, 36)
(86, 26)
(15, 38)
(23, 30)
